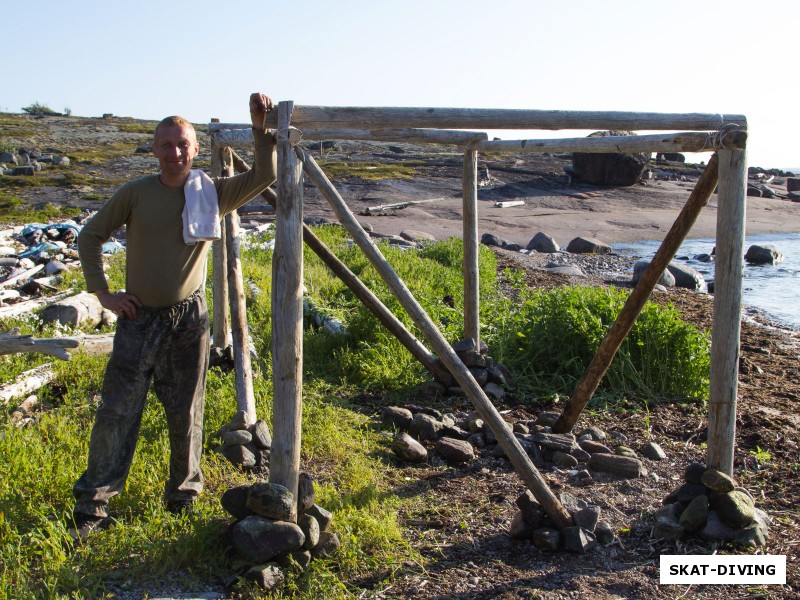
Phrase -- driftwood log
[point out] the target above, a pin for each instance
(11, 342)
(26, 383)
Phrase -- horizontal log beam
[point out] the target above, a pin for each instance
(233, 135)
(675, 142)
(339, 117)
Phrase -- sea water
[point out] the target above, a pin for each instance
(771, 289)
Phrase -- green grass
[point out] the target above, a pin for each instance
(368, 171)
(545, 338)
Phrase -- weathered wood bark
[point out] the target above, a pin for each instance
(220, 325)
(362, 292)
(676, 142)
(235, 136)
(597, 368)
(287, 312)
(11, 343)
(516, 454)
(726, 327)
(28, 306)
(245, 396)
(338, 117)
(19, 276)
(26, 383)
(472, 327)
(95, 345)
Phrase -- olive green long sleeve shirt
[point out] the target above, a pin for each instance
(161, 269)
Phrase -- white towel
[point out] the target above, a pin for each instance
(201, 211)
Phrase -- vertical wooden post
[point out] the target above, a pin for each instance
(245, 397)
(726, 326)
(287, 311)
(471, 284)
(220, 328)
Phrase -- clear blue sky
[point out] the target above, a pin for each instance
(201, 59)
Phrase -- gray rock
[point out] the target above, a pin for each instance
(694, 472)
(754, 535)
(9, 157)
(419, 237)
(394, 416)
(475, 425)
(595, 433)
(322, 516)
(489, 239)
(425, 427)
(571, 503)
(297, 561)
(477, 440)
(565, 442)
(259, 540)
(81, 309)
(434, 389)
(580, 454)
(673, 511)
(717, 481)
(61, 160)
(455, 432)
(622, 466)
(239, 455)
(625, 451)
(547, 418)
(604, 533)
(763, 254)
(237, 437)
(587, 518)
(653, 451)
(271, 500)
(305, 493)
(268, 577)
(695, 514)
(582, 245)
(564, 460)
(310, 528)
(28, 170)
(578, 540)
(239, 420)
(667, 279)
(54, 267)
(454, 451)
(715, 529)
(520, 428)
(542, 242)
(546, 538)
(519, 529)
(687, 277)
(622, 169)
(687, 492)
(327, 546)
(593, 447)
(261, 435)
(530, 509)
(480, 375)
(667, 528)
(734, 508)
(407, 448)
(234, 500)
(495, 392)
(567, 270)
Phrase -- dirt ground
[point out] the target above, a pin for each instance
(464, 541)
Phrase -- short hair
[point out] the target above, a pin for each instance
(173, 121)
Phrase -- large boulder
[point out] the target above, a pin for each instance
(83, 309)
(687, 277)
(609, 168)
(542, 242)
(764, 254)
(584, 245)
(667, 279)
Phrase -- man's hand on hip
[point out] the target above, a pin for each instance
(121, 304)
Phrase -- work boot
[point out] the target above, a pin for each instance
(84, 525)
(181, 507)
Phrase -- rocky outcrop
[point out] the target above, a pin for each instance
(621, 169)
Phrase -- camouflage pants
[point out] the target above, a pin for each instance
(170, 347)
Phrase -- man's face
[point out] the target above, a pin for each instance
(175, 147)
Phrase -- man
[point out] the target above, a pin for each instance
(162, 332)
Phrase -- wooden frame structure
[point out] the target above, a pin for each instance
(725, 135)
